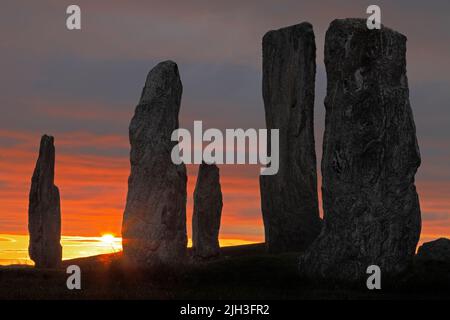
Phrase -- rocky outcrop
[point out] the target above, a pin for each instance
(436, 251)
(154, 221)
(289, 198)
(44, 213)
(370, 157)
(207, 212)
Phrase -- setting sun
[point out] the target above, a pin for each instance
(108, 238)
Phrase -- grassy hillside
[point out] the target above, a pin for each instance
(242, 272)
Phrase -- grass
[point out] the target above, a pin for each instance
(242, 272)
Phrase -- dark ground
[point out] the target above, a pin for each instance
(242, 272)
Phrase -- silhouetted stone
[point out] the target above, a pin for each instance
(44, 213)
(436, 251)
(289, 198)
(370, 157)
(207, 212)
(154, 222)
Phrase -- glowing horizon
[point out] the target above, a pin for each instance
(93, 192)
(14, 248)
(86, 99)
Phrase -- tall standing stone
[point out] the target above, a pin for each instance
(370, 156)
(44, 213)
(207, 212)
(154, 222)
(289, 198)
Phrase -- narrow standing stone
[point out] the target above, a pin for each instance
(207, 212)
(370, 157)
(44, 213)
(289, 198)
(154, 222)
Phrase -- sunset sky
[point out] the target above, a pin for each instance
(82, 87)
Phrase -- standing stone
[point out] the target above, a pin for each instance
(207, 212)
(289, 198)
(370, 157)
(154, 222)
(44, 213)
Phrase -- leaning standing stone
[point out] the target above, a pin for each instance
(370, 157)
(154, 222)
(289, 198)
(44, 214)
(207, 212)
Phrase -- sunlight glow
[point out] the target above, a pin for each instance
(108, 238)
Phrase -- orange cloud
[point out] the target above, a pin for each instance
(93, 189)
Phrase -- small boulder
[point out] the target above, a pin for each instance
(437, 250)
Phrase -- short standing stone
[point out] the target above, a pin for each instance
(44, 214)
(207, 212)
(289, 199)
(370, 157)
(154, 222)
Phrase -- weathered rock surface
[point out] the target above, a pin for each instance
(370, 157)
(437, 250)
(289, 198)
(207, 212)
(154, 222)
(44, 213)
